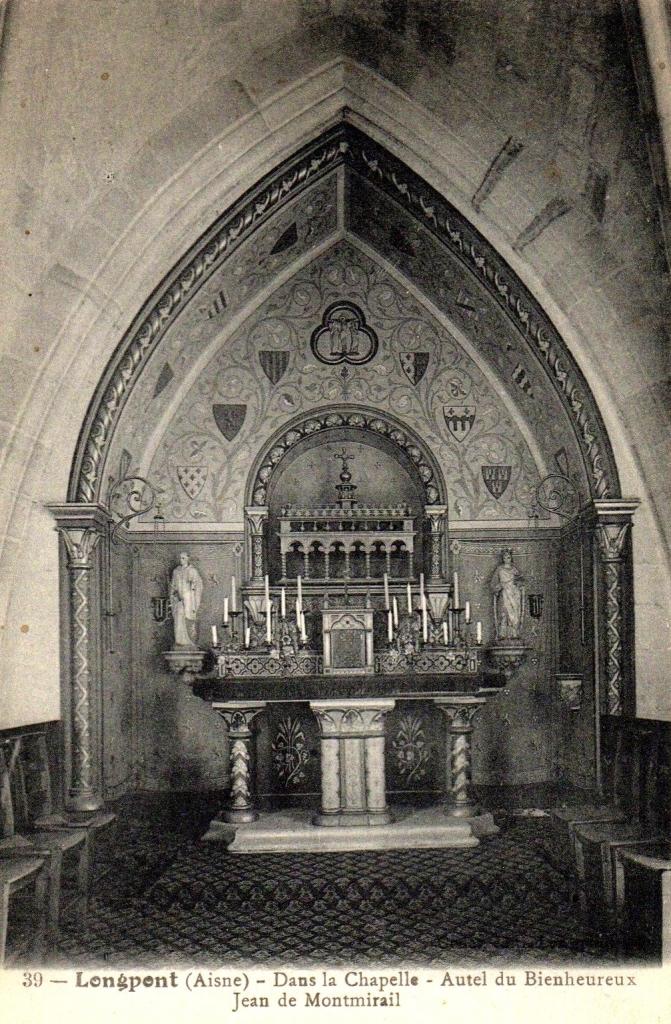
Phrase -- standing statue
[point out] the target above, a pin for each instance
(186, 590)
(508, 598)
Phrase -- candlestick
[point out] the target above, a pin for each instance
(467, 614)
(215, 640)
(225, 611)
(409, 600)
(386, 591)
(478, 632)
(395, 610)
(234, 599)
(390, 626)
(455, 590)
(298, 613)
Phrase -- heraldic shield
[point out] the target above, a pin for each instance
(192, 479)
(229, 419)
(414, 365)
(496, 479)
(459, 420)
(274, 364)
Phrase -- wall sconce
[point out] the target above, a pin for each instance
(159, 522)
(159, 607)
(535, 605)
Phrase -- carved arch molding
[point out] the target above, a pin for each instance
(342, 145)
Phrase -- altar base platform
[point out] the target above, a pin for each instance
(292, 831)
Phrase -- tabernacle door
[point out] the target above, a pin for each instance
(348, 640)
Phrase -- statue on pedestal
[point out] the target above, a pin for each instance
(186, 590)
(508, 598)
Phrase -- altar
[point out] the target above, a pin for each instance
(354, 636)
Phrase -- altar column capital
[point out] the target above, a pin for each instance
(81, 526)
(436, 517)
(256, 517)
(612, 523)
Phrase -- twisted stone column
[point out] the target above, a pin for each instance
(613, 523)
(352, 761)
(238, 717)
(81, 527)
(460, 711)
(256, 517)
(436, 516)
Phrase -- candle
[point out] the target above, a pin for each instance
(386, 591)
(425, 623)
(299, 584)
(468, 612)
(269, 620)
(395, 609)
(455, 590)
(390, 627)
(421, 582)
(304, 634)
(283, 603)
(215, 640)
(409, 600)
(234, 600)
(248, 633)
(445, 632)
(266, 588)
(450, 627)
(478, 632)
(298, 613)
(225, 611)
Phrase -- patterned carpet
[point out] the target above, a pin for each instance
(161, 896)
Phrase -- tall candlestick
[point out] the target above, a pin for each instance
(467, 614)
(215, 639)
(409, 600)
(455, 590)
(445, 632)
(386, 591)
(269, 620)
(478, 632)
(234, 599)
(283, 603)
(225, 611)
(390, 626)
(395, 610)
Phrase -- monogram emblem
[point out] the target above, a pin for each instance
(343, 336)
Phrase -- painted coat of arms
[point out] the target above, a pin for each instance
(229, 419)
(496, 479)
(192, 479)
(459, 420)
(414, 365)
(343, 336)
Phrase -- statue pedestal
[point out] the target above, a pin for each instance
(507, 656)
(181, 658)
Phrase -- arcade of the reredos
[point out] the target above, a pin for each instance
(385, 482)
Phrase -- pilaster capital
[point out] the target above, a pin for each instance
(612, 522)
(256, 516)
(81, 527)
(435, 514)
(460, 711)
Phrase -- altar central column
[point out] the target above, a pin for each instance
(353, 788)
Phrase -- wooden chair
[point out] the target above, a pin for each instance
(59, 848)
(18, 873)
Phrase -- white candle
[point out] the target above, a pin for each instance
(450, 626)
(421, 583)
(386, 591)
(266, 588)
(299, 584)
(395, 608)
(234, 600)
(468, 612)
(304, 634)
(298, 613)
(478, 632)
(455, 590)
(248, 633)
(225, 611)
(390, 626)
(215, 640)
(283, 603)
(409, 600)
(425, 623)
(269, 620)
(444, 632)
